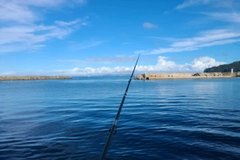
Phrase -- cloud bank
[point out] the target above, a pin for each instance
(163, 65)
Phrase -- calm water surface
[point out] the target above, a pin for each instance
(168, 119)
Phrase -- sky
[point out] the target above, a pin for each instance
(96, 37)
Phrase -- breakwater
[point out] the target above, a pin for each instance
(162, 76)
(15, 78)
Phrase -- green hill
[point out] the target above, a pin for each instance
(225, 68)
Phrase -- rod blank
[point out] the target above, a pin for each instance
(113, 128)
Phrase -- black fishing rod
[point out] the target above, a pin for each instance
(113, 128)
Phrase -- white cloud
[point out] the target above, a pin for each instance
(62, 23)
(84, 45)
(25, 34)
(163, 65)
(221, 11)
(149, 25)
(17, 38)
(213, 3)
(205, 39)
(189, 3)
(20, 30)
(21, 10)
(10, 11)
(226, 17)
(199, 64)
(227, 11)
(231, 4)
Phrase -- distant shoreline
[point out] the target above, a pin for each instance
(23, 78)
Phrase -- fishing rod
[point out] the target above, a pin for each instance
(114, 125)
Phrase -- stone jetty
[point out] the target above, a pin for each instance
(15, 78)
(162, 76)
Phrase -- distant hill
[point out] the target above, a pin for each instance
(225, 68)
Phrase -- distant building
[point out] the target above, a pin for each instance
(238, 74)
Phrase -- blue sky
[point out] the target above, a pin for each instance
(85, 37)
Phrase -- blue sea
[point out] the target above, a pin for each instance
(165, 119)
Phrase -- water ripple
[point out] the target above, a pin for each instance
(70, 119)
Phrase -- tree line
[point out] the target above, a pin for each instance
(225, 68)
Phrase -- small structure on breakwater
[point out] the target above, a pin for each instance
(162, 76)
(14, 78)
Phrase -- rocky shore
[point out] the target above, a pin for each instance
(15, 78)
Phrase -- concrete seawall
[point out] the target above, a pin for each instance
(15, 78)
(162, 76)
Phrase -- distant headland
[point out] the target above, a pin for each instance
(225, 68)
(223, 71)
(15, 78)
